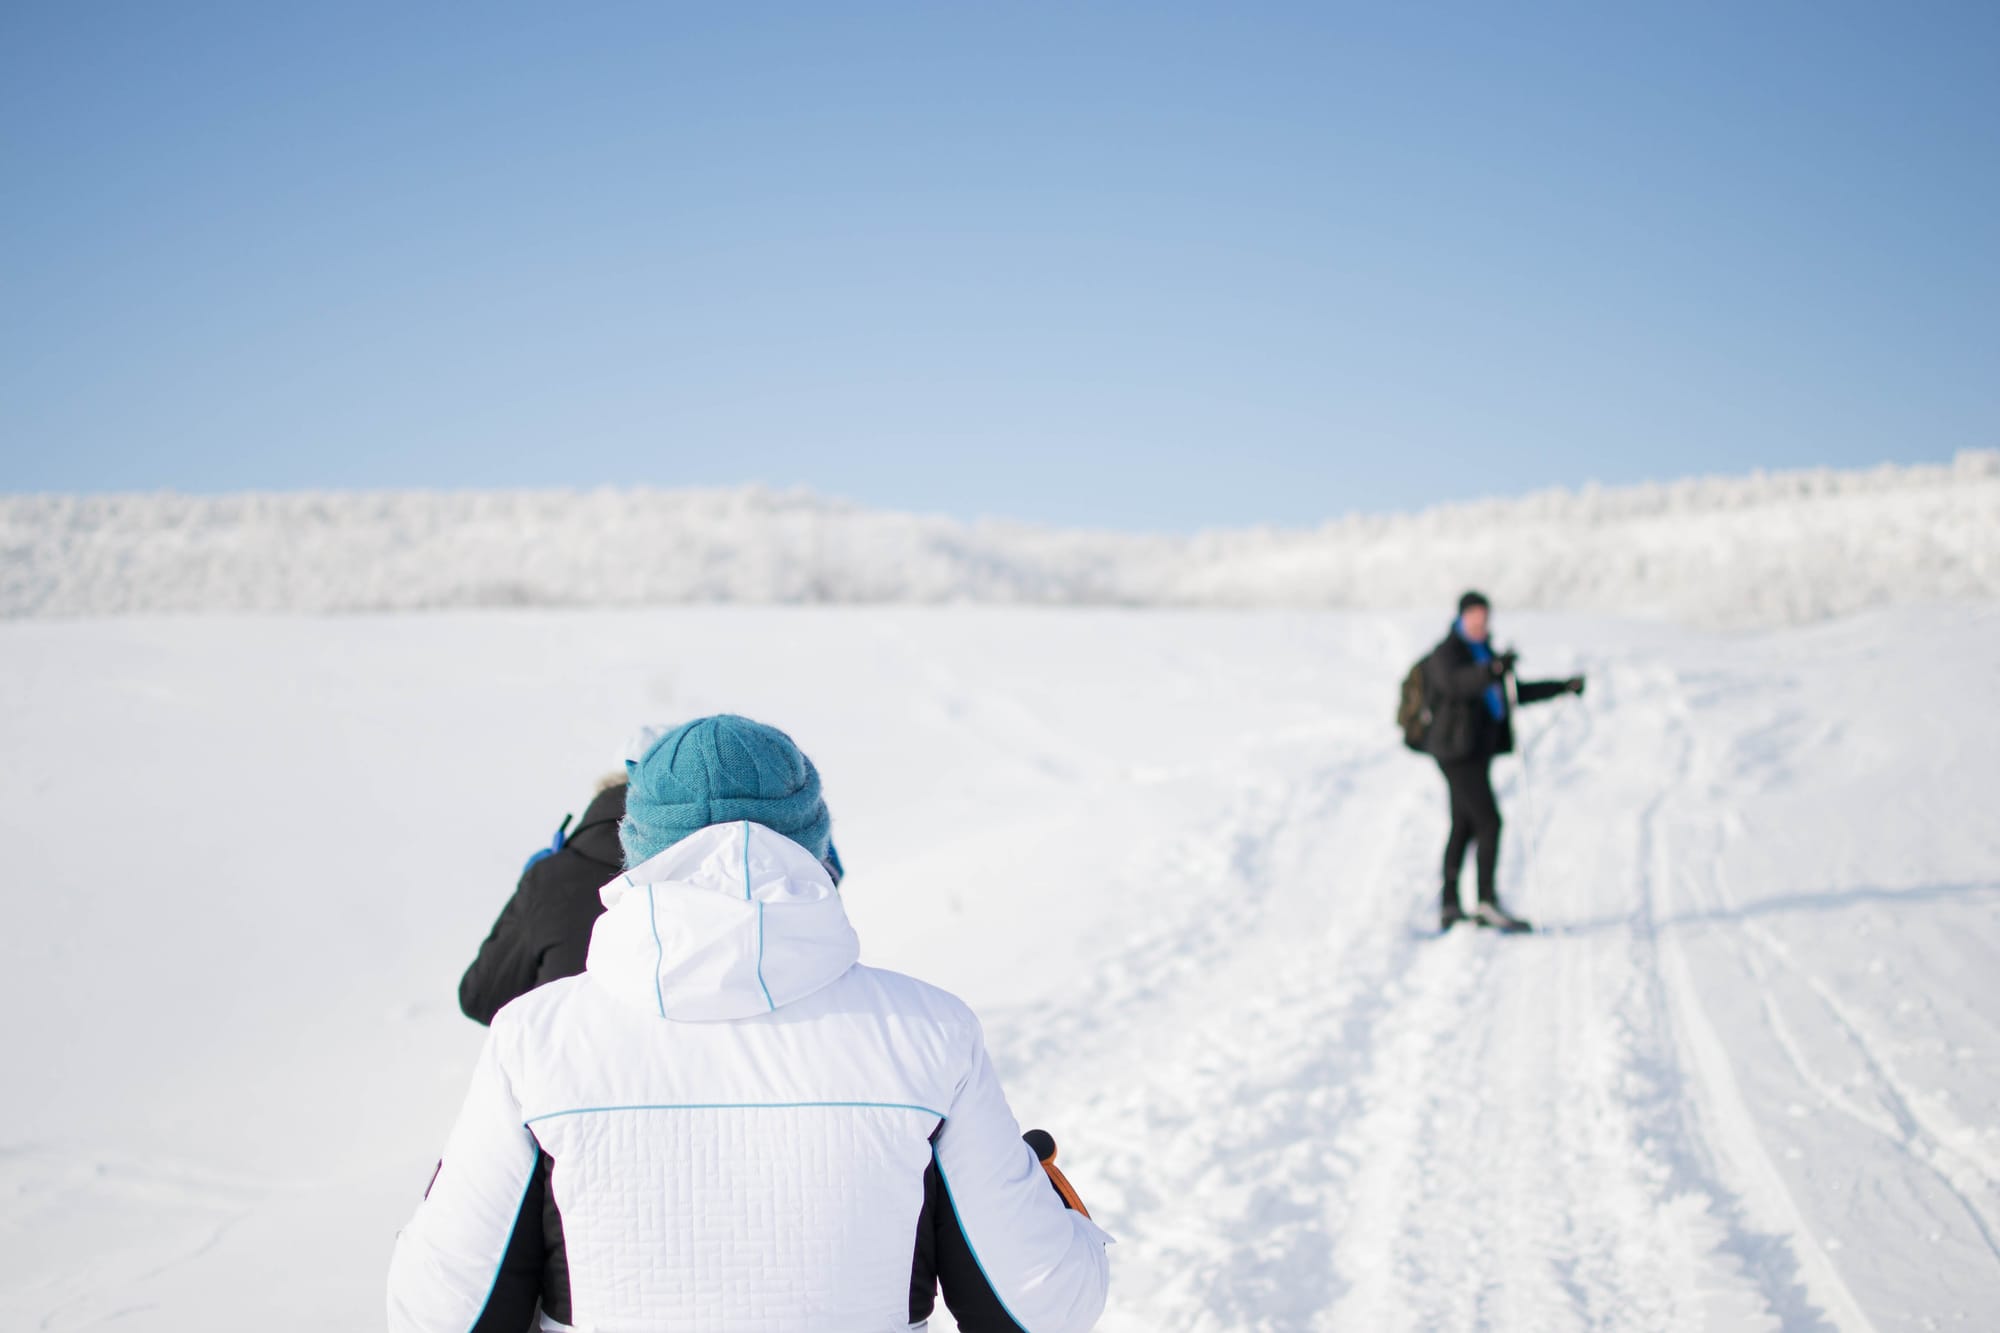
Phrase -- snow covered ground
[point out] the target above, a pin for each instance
(1722, 551)
(1748, 1078)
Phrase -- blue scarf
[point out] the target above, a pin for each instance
(1496, 698)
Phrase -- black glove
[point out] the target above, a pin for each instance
(1503, 664)
(1574, 684)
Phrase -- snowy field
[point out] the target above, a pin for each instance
(1748, 1078)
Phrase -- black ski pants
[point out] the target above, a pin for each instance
(1475, 817)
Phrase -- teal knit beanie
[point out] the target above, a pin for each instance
(717, 770)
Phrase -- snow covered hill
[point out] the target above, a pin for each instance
(1759, 550)
(1749, 1078)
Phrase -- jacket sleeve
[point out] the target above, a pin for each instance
(1045, 1265)
(451, 1267)
(507, 963)
(1536, 691)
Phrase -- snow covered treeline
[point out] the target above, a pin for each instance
(1756, 550)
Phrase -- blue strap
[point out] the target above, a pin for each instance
(556, 844)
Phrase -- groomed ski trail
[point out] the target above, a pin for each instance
(1313, 1113)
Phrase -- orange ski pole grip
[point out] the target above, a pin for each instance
(1045, 1152)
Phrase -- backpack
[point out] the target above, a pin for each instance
(1413, 710)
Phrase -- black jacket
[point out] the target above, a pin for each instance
(1462, 727)
(544, 930)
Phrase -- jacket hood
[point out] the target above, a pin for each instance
(731, 921)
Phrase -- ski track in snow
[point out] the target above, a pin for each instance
(1347, 1099)
(179, 1212)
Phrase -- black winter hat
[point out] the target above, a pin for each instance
(1472, 599)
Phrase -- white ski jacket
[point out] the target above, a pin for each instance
(740, 1116)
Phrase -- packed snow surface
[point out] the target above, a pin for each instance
(1744, 551)
(1748, 1077)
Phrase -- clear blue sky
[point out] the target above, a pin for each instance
(1144, 266)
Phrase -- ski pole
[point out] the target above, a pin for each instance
(1527, 788)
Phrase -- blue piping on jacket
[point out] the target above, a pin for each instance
(972, 1249)
(760, 960)
(659, 951)
(507, 1241)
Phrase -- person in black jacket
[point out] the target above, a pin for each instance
(544, 933)
(1471, 722)
(544, 930)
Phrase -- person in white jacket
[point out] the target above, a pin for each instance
(738, 1115)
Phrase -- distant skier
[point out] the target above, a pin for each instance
(1470, 722)
(738, 1120)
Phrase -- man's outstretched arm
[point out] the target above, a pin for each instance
(1536, 691)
